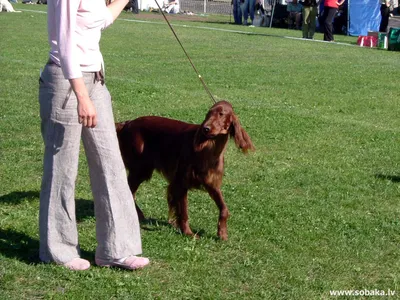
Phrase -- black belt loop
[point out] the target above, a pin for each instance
(98, 76)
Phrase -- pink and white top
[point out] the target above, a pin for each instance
(74, 29)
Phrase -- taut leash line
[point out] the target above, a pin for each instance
(187, 55)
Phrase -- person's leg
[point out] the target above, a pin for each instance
(240, 12)
(322, 20)
(117, 225)
(252, 5)
(135, 6)
(306, 21)
(385, 12)
(328, 34)
(290, 20)
(237, 15)
(61, 135)
(298, 20)
(313, 21)
(245, 11)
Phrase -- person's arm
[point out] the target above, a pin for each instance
(116, 7)
(66, 22)
(86, 111)
(339, 3)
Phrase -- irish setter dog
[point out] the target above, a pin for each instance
(189, 156)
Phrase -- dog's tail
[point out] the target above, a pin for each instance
(119, 126)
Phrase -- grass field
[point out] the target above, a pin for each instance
(314, 209)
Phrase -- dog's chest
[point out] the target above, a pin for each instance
(204, 173)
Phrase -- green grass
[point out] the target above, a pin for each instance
(314, 209)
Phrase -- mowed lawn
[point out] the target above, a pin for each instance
(314, 209)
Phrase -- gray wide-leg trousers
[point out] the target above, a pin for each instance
(117, 225)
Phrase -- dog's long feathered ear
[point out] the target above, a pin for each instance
(242, 139)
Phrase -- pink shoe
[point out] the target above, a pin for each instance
(77, 264)
(131, 262)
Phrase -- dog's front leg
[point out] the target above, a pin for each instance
(134, 185)
(216, 195)
(178, 208)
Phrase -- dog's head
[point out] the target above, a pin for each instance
(221, 121)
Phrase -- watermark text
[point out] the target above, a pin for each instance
(363, 293)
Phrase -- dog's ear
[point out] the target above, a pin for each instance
(242, 139)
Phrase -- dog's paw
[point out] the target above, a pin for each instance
(223, 235)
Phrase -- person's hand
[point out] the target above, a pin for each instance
(87, 115)
(86, 111)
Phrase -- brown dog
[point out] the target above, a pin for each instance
(188, 155)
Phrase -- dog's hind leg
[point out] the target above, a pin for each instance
(216, 195)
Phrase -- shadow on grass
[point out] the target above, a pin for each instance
(151, 224)
(18, 245)
(18, 197)
(84, 208)
(393, 178)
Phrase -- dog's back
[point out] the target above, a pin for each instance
(149, 143)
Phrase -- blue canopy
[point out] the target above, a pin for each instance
(364, 16)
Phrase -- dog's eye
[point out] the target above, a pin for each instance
(221, 114)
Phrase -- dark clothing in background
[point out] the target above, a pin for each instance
(385, 12)
(327, 18)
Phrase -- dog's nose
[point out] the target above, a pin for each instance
(206, 129)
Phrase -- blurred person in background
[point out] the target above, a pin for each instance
(330, 9)
(294, 8)
(385, 14)
(248, 8)
(310, 12)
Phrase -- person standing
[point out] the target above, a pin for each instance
(310, 11)
(248, 7)
(75, 104)
(385, 13)
(330, 10)
(237, 12)
(135, 6)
